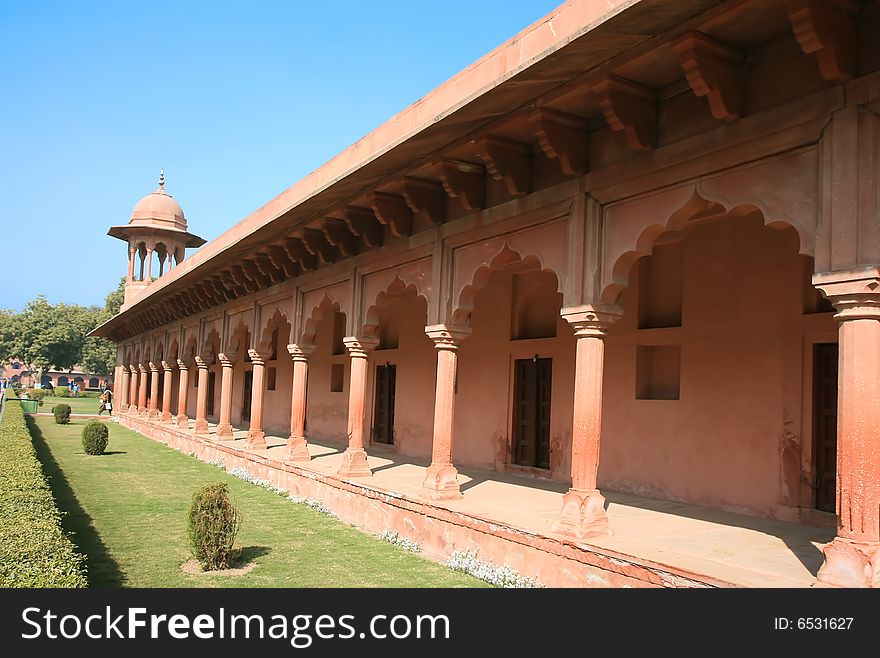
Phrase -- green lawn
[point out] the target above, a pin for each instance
(127, 511)
(77, 405)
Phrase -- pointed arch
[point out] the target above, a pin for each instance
(327, 305)
(505, 257)
(278, 320)
(396, 289)
(699, 205)
(211, 345)
(238, 342)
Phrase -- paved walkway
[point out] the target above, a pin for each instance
(738, 549)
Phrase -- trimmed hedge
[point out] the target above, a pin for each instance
(34, 550)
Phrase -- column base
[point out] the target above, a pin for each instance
(152, 414)
(181, 420)
(224, 432)
(201, 426)
(132, 409)
(850, 563)
(297, 450)
(582, 515)
(256, 440)
(354, 464)
(441, 482)
(167, 417)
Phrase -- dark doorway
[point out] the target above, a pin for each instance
(383, 417)
(212, 379)
(246, 395)
(531, 412)
(825, 425)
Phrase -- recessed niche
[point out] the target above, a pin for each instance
(337, 377)
(338, 333)
(536, 304)
(658, 372)
(271, 376)
(661, 278)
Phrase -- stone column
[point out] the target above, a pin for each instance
(131, 253)
(153, 411)
(133, 389)
(256, 438)
(148, 268)
(201, 426)
(583, 507)
(143, 380)
(181, 420)
(166, 392)
(354, 460)
(122, 396)
(852, 559)
(297, 445)
(441, 479)
(224, 428)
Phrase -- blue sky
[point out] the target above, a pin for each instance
(237, 101)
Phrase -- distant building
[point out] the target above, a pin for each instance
(20, 374)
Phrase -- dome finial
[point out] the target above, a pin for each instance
(162, 179)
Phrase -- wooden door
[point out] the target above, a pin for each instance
(531, 412)
(246, 395)
(825, 425)
(383, 415)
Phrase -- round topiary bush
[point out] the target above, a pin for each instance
(62, 413)
(94, 437)
(213, 522)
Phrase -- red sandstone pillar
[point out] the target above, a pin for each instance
(224, 428)
(121, 392)
(133, 390)
(181, 420)
(441, 479)
(201, 426)
(256, 438)
(852, 559)
(153, 411)
(354, 460)
(131, 253)
(143, 381)
(583, 507)
(166, 392)
(297, 445)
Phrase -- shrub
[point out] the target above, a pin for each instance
(34, 550)
(62, 392)
(213, 523)
(36, 393)
(94, 437)
(62, 413)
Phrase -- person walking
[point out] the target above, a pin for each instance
(106, 402)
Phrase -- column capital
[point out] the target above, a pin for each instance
(167, 366)
(201, 363)
(227, 360)
(591, 320)
(183, 364)
(447, 336)
(153, 366)
(256, 357)
(359, 346)
(133, 369)
(299, 352)
(855, 293)
(142, 368)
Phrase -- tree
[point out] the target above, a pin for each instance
(46, 336)
(99, 354)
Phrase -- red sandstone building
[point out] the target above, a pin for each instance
(605, 305)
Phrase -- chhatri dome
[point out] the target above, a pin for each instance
(158, 210)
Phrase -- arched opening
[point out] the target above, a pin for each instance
(278, 373)
(63, 381)
(402, 368)
(328, 379)
(236, 350)
(141, 266)
(513, 402)
(708, 375)
(210, 352)
(160, 253)
(93, 382)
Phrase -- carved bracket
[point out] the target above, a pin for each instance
(307, 260)
(463, 180)
(507, 161)
(563, 136)
(631, 108)
(317, 245)
(427, 195)
(340, 236)
(393, 212)
(363, 223)
(828, 32)
(713, 69)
